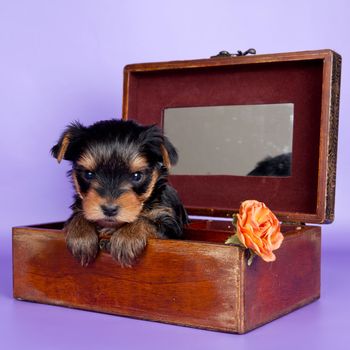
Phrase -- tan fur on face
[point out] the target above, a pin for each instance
(87, 161)
(138, 163)
(130, 207)
(129, 203)
(76, 185)
(92, 206)
(149, 191)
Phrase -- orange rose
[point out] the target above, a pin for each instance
(259, 229)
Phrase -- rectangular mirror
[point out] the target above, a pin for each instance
(244, 140)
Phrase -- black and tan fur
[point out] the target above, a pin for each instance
(119, 171)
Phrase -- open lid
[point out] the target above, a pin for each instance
(307, 81)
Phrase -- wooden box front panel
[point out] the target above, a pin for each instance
(199, 284)
(187, 283)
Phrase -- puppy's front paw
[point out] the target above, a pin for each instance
(129, 242)
(82, 240)
(126, 249)
(84, 249)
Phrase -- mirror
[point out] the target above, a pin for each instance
(252, 140)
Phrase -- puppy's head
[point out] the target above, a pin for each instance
(116, 166)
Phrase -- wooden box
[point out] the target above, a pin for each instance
(200, 281)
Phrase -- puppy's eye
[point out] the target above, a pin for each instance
(137, 177)
(89, 175)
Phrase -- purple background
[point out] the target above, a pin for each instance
(63, 60)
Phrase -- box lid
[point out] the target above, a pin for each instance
(309, 80)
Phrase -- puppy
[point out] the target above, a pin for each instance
(119, 171)
(273, 166)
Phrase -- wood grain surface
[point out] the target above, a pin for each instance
(192, 283)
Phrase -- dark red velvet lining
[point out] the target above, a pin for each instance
(298, 82)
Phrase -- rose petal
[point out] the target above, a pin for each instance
(259, 229)
(268, 257)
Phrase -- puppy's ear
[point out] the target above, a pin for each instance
(70, 143)
(156, 143)
(169, 153)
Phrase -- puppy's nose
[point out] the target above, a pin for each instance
(109, 210)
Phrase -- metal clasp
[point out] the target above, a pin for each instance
(239, 53)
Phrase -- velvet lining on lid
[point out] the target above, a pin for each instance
(297, 82)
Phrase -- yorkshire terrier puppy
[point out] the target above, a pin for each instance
(119, 171)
